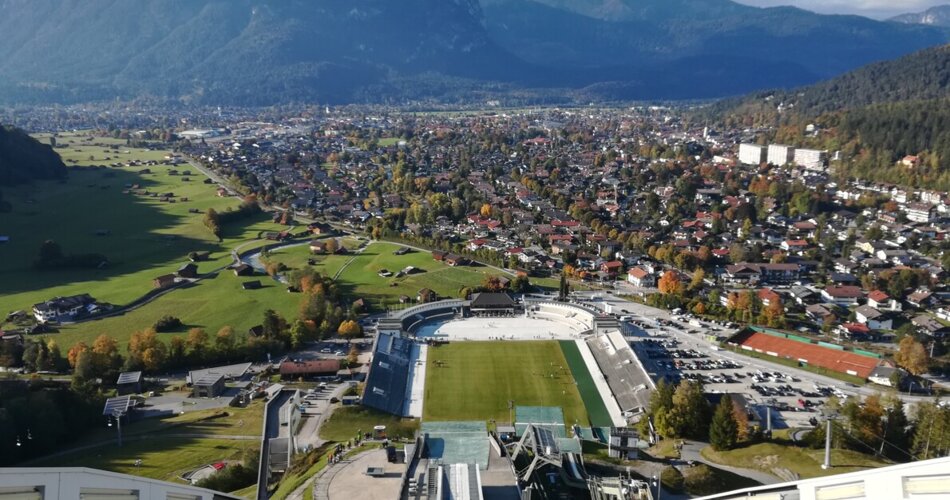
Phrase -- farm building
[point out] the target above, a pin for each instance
(208, 386)
(129, 383)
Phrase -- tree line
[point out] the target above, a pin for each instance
(24, 159)
(215, 220)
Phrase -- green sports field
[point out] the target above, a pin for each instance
(475, 381)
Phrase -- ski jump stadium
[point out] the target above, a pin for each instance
(440, 362)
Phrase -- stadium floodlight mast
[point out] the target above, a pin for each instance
(828, 417)
(769, 403)
(118, 414)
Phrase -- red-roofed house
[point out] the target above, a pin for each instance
(612, 268)
(883, 302)
(768, 296)
(640, 277)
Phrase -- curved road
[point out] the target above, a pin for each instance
(691, 451)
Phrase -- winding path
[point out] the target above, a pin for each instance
(691, 451)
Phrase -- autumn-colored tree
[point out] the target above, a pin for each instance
(568, 270)
(669, 284)
(697, 281)
(73, 354)
(704, 254)
(353, 356)
(492, 283)
(912, 355)
(349, 329)
(742, 421)
(197, 342)
(147, 350)
(332, 246)
(773, 315)
(699, 309)
(485, 211)
(224, 340)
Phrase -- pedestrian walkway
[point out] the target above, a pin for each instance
(691, 451)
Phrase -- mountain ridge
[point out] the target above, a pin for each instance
(935, 16)
(261, 52)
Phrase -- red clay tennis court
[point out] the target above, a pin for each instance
(813, 354)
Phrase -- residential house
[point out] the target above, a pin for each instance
(874, 319)
(820, 314)
(188, 270)
(844, 296)
(612, 268)
(164, 281)
(640, 277)
(882, 301)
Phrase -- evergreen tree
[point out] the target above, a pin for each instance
(723, 431)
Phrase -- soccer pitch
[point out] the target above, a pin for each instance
(475, 381)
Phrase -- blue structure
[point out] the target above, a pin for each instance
(388, 374)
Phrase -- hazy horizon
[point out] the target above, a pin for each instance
(877, 9)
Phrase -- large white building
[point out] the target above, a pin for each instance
(924, 480)
(752, 154)
(74, 483)
(812, 159)
(780, 154)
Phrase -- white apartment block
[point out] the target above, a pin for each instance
(752, 154)
(780, 154)
(812, 159)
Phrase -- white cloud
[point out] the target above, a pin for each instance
(870, 8)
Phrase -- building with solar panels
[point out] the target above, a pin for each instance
(129, 383)
(208, 386)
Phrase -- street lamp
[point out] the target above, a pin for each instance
(659, 489)
(118, 414)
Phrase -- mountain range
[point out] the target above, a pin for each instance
(934, 16)
(259, 52)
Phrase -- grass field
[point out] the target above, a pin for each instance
(146, 238)
(346, 421)
(475, 381)
(164, 447)
(164, 458)
(360, 278)
(803, 461)
(210, 304)
(596, 410)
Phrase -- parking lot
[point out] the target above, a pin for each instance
(680, 347)
(795, 401)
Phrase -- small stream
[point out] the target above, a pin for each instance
(254, 259)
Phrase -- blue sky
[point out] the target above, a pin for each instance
(870, 8)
